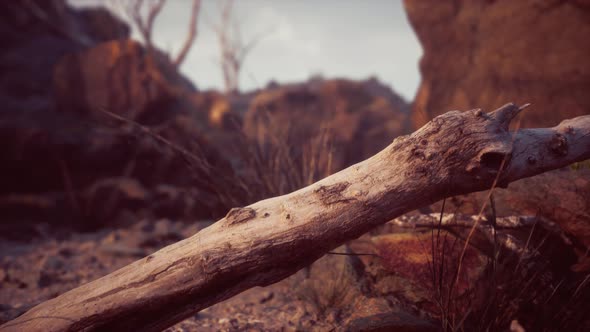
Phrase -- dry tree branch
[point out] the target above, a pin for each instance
(145, 25)
(143, 18)
(192, 33)
(257, 245)
(232, 46)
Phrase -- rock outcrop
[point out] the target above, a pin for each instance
(119, 75)
(66, 162)
(35, 35)
(482, 53)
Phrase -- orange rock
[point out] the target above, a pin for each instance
(117, 75)
(409, 255)
(482, 54)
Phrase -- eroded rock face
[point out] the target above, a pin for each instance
(486, 53)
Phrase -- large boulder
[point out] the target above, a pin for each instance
(485, 53)
(34, 35)
(120, 76)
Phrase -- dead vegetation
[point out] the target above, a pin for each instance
(142, 15)
(533, 288)
(331, 291)
(232, 46)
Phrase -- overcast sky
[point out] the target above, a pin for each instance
(335, 38)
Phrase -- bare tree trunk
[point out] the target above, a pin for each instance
(258, 245)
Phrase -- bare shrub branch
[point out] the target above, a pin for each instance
(142, 15)
(145, 25)
(233, 47)
(192, 33)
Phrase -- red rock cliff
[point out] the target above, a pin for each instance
(486, 53)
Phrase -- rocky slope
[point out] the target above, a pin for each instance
(486, 53)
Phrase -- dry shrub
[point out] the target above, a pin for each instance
(330, 290)
(538, 291)
(274, 166)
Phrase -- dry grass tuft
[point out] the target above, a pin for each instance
(330, 291)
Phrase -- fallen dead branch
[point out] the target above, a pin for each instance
(455, 153)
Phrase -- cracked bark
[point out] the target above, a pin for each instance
(455, 153)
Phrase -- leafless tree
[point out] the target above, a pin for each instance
(233, 47)
(192, 33)
(142, 14)
(145, 25)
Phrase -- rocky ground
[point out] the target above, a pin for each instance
(388, 286)
(327, 296)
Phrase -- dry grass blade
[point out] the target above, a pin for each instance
(483, 207)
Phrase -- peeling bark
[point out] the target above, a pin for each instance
(455, 153)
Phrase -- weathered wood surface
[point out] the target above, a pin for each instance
(455, 153)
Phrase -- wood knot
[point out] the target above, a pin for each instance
(417, 153)
(437, 124)
(558, 145)
(333, 194)
(240, 215)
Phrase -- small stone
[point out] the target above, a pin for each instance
(267, 297)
